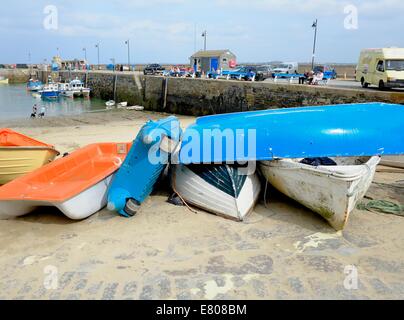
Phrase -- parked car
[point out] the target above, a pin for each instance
(329, 72)
(261, 72)
(243, 73)
(153, 69)
(21, 66)
(287, 68)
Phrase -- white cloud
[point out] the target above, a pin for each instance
(318, 7)
(103, 26)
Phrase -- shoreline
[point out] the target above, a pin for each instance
(282, 251)
(87, 128)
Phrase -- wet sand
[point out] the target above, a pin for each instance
(282, 251)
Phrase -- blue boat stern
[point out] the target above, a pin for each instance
(145, 162)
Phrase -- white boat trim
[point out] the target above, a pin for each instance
(79, 207)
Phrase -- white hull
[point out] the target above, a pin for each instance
(79, 207)
(331, 191)
(110, 103)
(122, 105)
(81, 93)
(196, 191)
(136, 108)
(68, 94)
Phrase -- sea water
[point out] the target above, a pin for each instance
(16, 103)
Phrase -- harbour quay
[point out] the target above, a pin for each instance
(198, 97)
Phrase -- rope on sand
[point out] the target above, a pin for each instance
(382, 206)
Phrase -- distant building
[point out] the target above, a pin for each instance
(76, 64)
(212, 60)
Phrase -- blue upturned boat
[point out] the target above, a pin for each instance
(143, 165)
(367, 129)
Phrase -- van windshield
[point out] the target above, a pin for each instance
(397, 65)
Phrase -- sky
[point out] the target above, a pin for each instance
(169, 31)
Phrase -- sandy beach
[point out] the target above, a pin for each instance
(282, 251)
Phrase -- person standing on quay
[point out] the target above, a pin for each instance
(34, 111)
(42, 113)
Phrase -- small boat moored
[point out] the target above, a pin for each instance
(50, 91)
(4, 80)
(20, 154)
(65, 90)
(135, 108)
(76, 184)
(78, 89)
(331, 191)
(110, 103)
(122, 104)
(219, 189)
(34, 85)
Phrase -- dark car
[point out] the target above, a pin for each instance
(21, 66)
(153, 69)
(261, 72)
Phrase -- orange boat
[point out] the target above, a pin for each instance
(76, 184)
(20, 155)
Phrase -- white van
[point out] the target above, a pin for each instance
(286, 67)
(381, 67)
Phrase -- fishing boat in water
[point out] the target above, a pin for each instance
(34, 85)
(331, 190)
(223, 190)
(65, 91)
(78, 88)
(3, 80)
(76, 184)
(20, 154)
(50, 91)
(147, 159)
(74, 88)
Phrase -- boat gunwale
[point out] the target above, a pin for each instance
(59, 201)
(321, 170)
(34, 142)
(29, 148)
(86, 186)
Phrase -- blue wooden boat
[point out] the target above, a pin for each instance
(34, 85)
(367, 129)
(50, 91)
(144, 164)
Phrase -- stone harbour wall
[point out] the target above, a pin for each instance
(199, 97)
